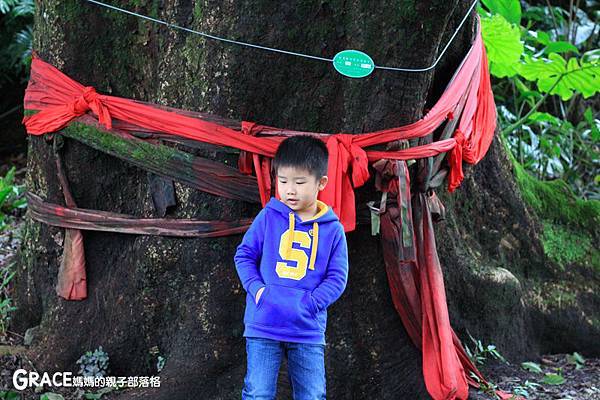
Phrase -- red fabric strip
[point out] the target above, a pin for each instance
(60, 99)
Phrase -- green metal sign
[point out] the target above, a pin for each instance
(353, 63)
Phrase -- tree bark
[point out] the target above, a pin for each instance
(183, 295)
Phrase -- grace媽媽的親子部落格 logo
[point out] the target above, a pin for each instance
(23, 379)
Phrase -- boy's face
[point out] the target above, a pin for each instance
(297, 188)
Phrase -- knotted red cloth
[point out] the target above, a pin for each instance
(61, 99)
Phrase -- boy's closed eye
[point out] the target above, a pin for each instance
(298, 183)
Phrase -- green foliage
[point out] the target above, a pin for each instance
(98, 395)
(570, 223)
(508, 9)
(555, 202)
(532, 367)
(553, 379)
(550, 378)
(51, 396)
(523, 390)
(480, 353)
(94, 364)
(503, 45)
(488, 388)
(576, 359)
(15, 40)
(160, 363)
(555, 75)
(11, 197)
(504, 39)
(6, 307)
(551, 147)
(566, 246)
(545, 67)
(9, 395)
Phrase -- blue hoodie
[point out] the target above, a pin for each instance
(303, 272)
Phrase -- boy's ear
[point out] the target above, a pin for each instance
(323, 182)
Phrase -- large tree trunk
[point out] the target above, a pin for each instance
(183, 295)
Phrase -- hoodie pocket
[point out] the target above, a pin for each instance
(260, 299)
(286, 307)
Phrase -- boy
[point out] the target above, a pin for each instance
(293, 264)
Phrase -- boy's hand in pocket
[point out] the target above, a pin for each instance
(258, 293)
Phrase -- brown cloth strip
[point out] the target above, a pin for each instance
(81, 218)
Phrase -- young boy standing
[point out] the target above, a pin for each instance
(293, 264)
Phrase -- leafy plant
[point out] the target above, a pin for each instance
(545, 67)
(523, 390)
(160, 364)
(94, 364)
(510, 10)
(51, 396)
(553, 379)
(9, 395)
(488, 388)
(11, 197)
(480, 353)
(576, 359)
(532, 367)
(550, 378)
(555, 75)
(98, 395)
(6, 307)
(503, 45)
(16, 39)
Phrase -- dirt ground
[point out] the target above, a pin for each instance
(580, 384)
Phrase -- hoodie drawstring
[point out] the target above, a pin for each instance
(314, 244)
(290, 236)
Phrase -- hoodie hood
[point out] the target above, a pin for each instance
(324, 214)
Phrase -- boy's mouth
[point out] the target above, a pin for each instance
(293, 201)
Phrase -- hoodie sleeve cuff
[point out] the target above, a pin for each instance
(254, 286)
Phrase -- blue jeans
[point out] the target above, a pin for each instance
(306, 369)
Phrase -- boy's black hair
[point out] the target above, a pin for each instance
(302, 151)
